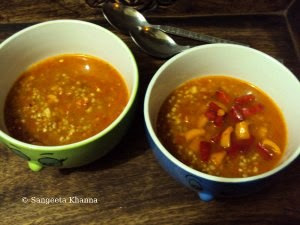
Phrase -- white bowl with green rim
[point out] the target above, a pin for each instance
(51, 38)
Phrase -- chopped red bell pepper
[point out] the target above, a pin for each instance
(205, 150)
(245, 99)
(212, 114)
(233, 150)
(218, 121)
(265, 153)
(222, 96)
(245, 144)
(253, 109)
(236, 113)
(241, 146)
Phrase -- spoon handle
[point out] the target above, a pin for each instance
(193, 35)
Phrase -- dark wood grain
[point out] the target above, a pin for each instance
(293, 23)
(17, 11)
(221, 7)
(129, 184)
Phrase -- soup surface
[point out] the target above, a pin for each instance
(222, 126)
(64, 99)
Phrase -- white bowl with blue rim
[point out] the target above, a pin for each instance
(236, 61)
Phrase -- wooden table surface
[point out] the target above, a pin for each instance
(129, 184)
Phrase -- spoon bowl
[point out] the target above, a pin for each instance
(123, 18)
(155, 42)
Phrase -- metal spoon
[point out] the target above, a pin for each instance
(155, 42)
(125, 18)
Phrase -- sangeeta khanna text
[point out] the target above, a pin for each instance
(60, 200)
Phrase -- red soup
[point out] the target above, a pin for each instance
(222, 126)
(64, 99)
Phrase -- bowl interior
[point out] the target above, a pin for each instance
(60, 37)
(229, 60)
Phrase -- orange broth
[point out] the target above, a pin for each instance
(64, 99)
(222, 126)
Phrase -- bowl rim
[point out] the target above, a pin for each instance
(178, 163)
(100, 134)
